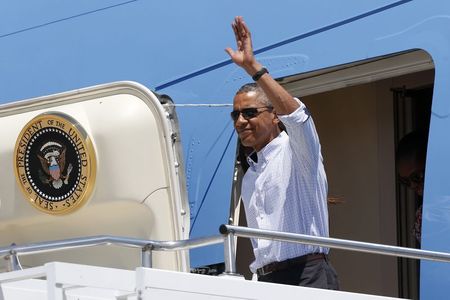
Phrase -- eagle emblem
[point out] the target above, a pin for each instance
(52, 156)
(55, 163)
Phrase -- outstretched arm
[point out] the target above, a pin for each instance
(282, 101)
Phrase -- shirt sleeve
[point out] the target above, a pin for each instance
(303, 137)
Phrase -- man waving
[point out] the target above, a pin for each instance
(285, 187)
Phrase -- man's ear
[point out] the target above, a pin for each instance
(277, 122)
(275, 119)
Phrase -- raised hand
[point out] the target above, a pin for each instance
(243, 55)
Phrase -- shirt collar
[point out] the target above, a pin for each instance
(269, 150)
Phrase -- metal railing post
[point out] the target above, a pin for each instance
(229, 251)
(13, 261)
(146, 256)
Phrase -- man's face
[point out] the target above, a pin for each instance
(258, 131)
(412, 174)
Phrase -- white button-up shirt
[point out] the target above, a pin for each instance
(286, 190)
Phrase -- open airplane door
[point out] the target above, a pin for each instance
(97, 161)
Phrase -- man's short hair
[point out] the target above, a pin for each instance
(253, 87)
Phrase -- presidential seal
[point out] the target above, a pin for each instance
(55, 163)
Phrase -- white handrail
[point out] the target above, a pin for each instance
(331, 243)
(147, 246)
(228, 233)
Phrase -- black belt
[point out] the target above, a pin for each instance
(286, 264)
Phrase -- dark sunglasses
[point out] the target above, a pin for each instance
(248, 113)
(415, 177)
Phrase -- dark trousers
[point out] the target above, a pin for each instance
(317, 274)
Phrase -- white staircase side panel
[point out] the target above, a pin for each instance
(81, 282)
(161, 284)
